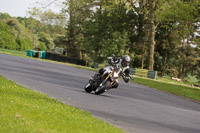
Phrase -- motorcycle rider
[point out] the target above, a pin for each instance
(123, 64)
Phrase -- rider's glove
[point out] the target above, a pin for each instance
(126, 78)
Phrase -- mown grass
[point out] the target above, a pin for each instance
(23, 110)
(13, 52)
(177, 89)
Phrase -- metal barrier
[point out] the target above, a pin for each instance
(39, 54)
(96, 65)
(152, 74)
(143, 73)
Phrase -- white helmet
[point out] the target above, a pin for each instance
(126, 60)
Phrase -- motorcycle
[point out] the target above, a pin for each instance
(100, 83)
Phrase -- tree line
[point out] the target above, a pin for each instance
(162, 35)
(158, 34)
(20, 33)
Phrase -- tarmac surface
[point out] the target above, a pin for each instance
(131, 107)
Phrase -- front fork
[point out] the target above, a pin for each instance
(107, 79)
(104, 81)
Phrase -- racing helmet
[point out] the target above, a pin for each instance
(126, 60)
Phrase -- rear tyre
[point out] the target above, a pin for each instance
(88, 87)
(101, 89)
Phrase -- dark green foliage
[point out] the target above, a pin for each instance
(117, 44)
(60, 41)
(103, 28)
(109, 31)
(7, 38)
(44, 40)
(42, 46)
(14, 36)
(24, 43)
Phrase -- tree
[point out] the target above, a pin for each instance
(108, 25)
(152, 24)
(117, 45)
(146, 9)
(78, 12)
(167, 43)
(4, 16)
(46, 24)
(182, 23)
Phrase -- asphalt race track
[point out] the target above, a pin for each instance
(132, 107)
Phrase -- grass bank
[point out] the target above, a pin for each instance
(13, 52)
(24, 110)
(177, 89)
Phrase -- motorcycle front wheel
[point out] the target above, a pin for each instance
(101, 89)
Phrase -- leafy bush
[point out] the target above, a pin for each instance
(172, 72)
(42, 46)
(24, 43)
(46, 39)
(7, 38)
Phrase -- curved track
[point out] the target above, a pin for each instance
(132, 107)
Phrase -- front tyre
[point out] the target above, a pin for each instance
(101, 89)
(88, 87)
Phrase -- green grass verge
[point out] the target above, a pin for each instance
(177, 89)
(13, 52)
(24, 110)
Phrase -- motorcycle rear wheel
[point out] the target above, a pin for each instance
(88, 87)
(101, 89)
